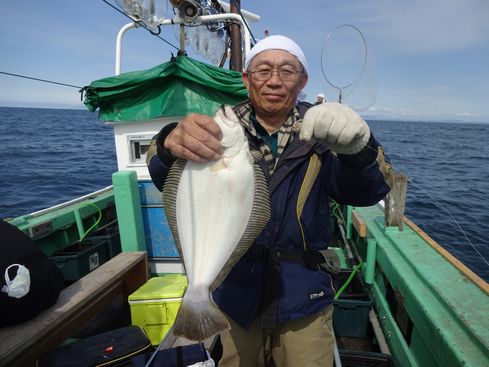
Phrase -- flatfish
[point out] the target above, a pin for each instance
(215, 211)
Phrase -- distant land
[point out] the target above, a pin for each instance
(376, 113)
(427, 118)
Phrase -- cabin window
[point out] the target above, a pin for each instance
(139, 150)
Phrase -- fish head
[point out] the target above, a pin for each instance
(233, 136)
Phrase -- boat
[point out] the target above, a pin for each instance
(403, 300)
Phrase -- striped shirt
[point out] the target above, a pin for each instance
(270, 150)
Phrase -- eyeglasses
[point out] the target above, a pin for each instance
(286, 74)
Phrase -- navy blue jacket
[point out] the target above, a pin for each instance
(355, 180)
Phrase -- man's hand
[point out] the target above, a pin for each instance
(336, 126)
(196, 138)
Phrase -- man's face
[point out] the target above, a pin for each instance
(274, 95)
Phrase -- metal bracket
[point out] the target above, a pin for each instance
(40, 230)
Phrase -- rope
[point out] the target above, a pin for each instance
(356, 268)
(96, 222)
(336, 211)
(142, 25)
(40, 80)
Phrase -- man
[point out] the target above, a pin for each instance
(277, 301)
(319, 99)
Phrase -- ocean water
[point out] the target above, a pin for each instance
(49, 156)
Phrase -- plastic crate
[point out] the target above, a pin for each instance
(109, 233)
(155, 304)
(350, 315)
(350, 358)
(81, 258)
(113, 243)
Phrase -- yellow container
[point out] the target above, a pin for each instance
(155, 304)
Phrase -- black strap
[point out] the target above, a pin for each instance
(310, 258)
(264, 253)
(179, 351)
(272, 284)
(204, 352)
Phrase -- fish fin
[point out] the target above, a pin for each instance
(260, 215)
(199, 320)
(169, 198)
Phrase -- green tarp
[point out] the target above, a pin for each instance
(175, 88)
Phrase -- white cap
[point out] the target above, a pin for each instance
(321, 95)
(276, 42)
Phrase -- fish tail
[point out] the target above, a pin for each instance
(198, 317)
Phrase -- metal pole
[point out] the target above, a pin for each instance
(118, 45)
(379, 334)
(236, 55)
(182, 40)
(336, 355)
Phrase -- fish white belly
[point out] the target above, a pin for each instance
(214, 204)
(215, 211)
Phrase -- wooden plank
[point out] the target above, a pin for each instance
(395, 201)
(359, 224)
(24, 343)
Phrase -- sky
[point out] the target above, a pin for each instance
(408, 60)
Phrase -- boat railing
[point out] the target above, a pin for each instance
(71, 202)
(230, 17)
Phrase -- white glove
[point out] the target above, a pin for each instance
(337, 126)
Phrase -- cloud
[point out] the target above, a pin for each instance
(425, 26)
(414, 26)
(431, 54)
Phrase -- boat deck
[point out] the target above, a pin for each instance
(433, 312)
